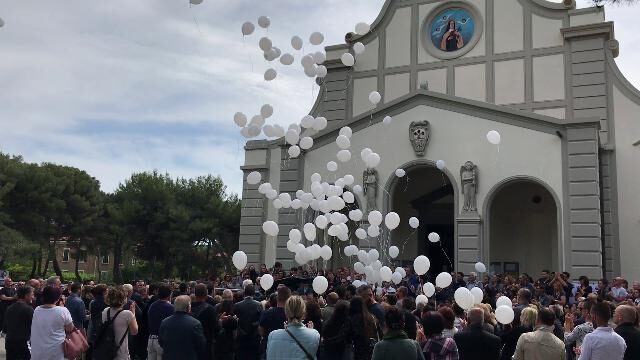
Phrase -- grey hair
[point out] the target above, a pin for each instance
(128, 288)
(476, 316)
(183, 303)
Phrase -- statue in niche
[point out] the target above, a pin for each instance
(419, 133)
(370, 188)
(469, 179)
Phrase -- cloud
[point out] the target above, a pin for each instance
(116, 87)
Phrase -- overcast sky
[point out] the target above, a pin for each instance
(120, 86)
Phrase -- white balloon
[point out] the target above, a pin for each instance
(309, 231)
(332, 166)
(358, 48)
(266, 281)
(348, 197)
(292, 137)
(347, 59)
(278, 131)
(400, 270)
(357, 189)
(346, 131)
(295, 235)
(320, 284)
(265, 44)
(292, 246)
(254, 178)
(480, 267)
(394, 252)
(359, 267)
(266, 111)
(396, 278)
(248, 28)
(361, 234)
(271, 194)
(240, 119)
(355, 215)
(306, 143)
(375, 97)
(505, 315)
(321, 71)
(272, 54)
(478, 295)
(349, 179)
(504, 301)
(494, 137)
(294, 151)
(287, 59)
(443, 280)
(307, 61)
(385, 273)
(239, 260)
(414, 222)
(375, 218)
(316, 38)
(343, 142)
(365, 153)
(463, 298)
(421, 265)
(421, 300)
(296, 42)
(257, 120)
(434, 237)
(277, 204)
(264, 187)
(428, 289)
(344, 156)
(392, 220)
(295, 127)
(400, 173)
(254, 130)
(326, 252)
(374, 255)
(373, 231)
(362, 28)
(270, 228)
(319, 57)
(264, 23)
(373, 160)
(387, 120)
(270, 74)
(440, 164)
(320, 123)
(322, 222)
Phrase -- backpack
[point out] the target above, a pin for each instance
(105, 346)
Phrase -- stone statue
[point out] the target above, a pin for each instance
(419, 132)
(370, 188)
(469, 179)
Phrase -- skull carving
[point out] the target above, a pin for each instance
(419, 133)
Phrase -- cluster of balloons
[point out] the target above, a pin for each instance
(348, 59)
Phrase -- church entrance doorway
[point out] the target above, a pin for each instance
(427, 194)
(523, 228)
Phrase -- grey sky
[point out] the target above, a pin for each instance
(114, 87)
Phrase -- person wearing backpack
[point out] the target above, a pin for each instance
(117, 323)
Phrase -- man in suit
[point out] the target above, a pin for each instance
(248, 312)
(181, 336)
(474, 343)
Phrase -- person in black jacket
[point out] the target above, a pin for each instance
(206, 314)
(474, 343)
(181, 335)
(225, 344)
(626, 318)
(248, 312)
(335, 333)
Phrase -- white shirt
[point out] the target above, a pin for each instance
(47, 332)
(603, 344)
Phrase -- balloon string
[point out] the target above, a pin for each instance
(407, 239)
(445, 255)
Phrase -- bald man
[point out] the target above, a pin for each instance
(626, 317)
(474, 343)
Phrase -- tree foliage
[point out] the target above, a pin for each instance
(179, 226)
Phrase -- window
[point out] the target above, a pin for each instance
(105, 259)
(65, 254)
(133, 261)
(104, 274)
(82, 256)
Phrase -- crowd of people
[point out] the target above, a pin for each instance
(234, 318)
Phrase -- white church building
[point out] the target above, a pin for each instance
(561, 190)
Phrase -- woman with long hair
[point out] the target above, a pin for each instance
(364, 331)
(124, 320)
(451, 38)
(226, 339)
(296, 341)
(335, 333)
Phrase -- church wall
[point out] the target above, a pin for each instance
(369, 59)
(508, 14)
(396, 85)
(627, 133)
(436, 80)
(361, 90)
(470, 82)
(509, 82)
(548, 78)
(398, 39)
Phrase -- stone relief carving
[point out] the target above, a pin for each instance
(419, 133)
(370, 188)
(469, 179)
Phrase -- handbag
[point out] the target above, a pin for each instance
(75, 343)
(309, 357)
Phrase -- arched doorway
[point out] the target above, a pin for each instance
(428, 194)
(523, 228)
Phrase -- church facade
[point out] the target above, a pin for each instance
(558, 192)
